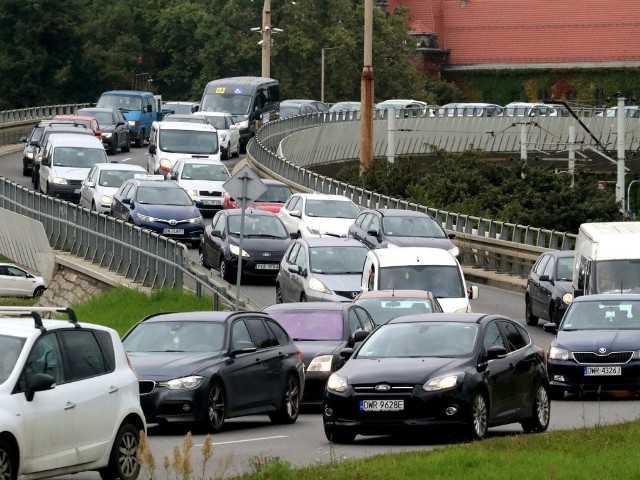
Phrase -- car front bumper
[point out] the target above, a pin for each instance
(570, 376)
(162, 405)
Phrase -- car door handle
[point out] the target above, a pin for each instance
(69, 406)
(113, 389)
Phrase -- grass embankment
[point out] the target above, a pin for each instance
(592, 453)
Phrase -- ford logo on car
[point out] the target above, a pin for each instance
(383, 387)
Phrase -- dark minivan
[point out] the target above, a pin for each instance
(251, 100)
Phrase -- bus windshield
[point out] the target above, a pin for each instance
(235, 104)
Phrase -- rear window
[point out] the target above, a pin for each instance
(311, 324)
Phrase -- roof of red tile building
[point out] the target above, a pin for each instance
(512, 33)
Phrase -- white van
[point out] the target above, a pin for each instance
(607, 258)
(419, 268)
(171, 141)
(66, 161)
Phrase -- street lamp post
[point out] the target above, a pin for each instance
(322, 71)
(366, 95)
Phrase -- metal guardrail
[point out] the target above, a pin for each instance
(137, 254)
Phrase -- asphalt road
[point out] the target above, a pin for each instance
(303, 443)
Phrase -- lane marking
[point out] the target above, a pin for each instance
(245, 441)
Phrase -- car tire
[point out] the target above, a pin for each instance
(224, 270)
(479, 417)
(25, 171)
(541, 412)
(290, 407)
(278, 293)
(201, 258)
(528, 314)
(216, 408)
(93, 206)
(114, 145)
(139, 142)
(303, 297)
(556, 393)
(35, 179)
(37, 293)
(224, 153)
(8, 462)
(127, 146)
(123, 460)
(339, 435)
(237, 152)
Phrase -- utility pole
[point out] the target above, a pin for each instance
(621, 124)
(266, 39)
(366, 96)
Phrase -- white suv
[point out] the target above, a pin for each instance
(69, 400)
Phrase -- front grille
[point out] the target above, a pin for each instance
(592, 358)
(206, 193)
(146, 386)
(394, 389)
(168, 222)
(348, 294)
(75, 183)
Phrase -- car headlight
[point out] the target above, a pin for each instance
(182, 383)
(636, 355)
(132, 123)
(106, 135)
(243, 124)
(106, 200)
(196, 220)
(455, 251)
(222, 137)
(337, 384)
(556, 353)
(321, 363)
(192, 193)
(318, 286)
(235, 250)
(29, 155)
(145, 218)
(59, 180)
(443, 382)
(567, 298)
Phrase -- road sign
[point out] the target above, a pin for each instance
(245, 186)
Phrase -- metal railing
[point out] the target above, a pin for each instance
(137, 254)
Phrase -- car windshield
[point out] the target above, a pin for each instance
(617, 276)
(179, 108)
(310, 324)
(383, 309)
(115, 178)
(123, 102)
(103, 118)
(10, 348)
(188, 141)
(331, 209)
(602, 315)
(564, 267)
(36, 135)
(337, 260)
(184, 336)
(205, 171)
(420, 339)
(257, 226)
(163, 196)
(217, 121)
(275, 194)
(443, 280)
(78, 157)
(235, 104)
(412, 227)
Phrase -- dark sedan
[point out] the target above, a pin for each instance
(321, 330)
(548, 284)
(206, 367)
(263, 244)
(597, 346)
(384, 227)
(116, 133)
(470, 371)
(384, 305)
(149, 201)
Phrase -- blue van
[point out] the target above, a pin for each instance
(140, 109)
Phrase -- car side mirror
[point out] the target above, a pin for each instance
(451, 236)
(294, 236)
(23, 139)
(127, 201)
(46, 161)
(119, 122)
(295, 213)
(173, 176)
(37, 383)
(544, 278)
(358, 337)
(473, 292)
(216, 233)
(346, 353)
(149, 109)
(152, 149)
(295, 269)
(247, 347)
(89, 184)
(496, 352)
(550, 327)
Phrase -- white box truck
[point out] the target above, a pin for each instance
(607, 258)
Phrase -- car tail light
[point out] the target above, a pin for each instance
(300, 355)
(130, 365)
(543, 354)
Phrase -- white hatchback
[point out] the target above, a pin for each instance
(69, 400)
(318, 215)
(17, 282)
(228, 132)
(103, 180)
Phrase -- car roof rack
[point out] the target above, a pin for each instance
(35, 314)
